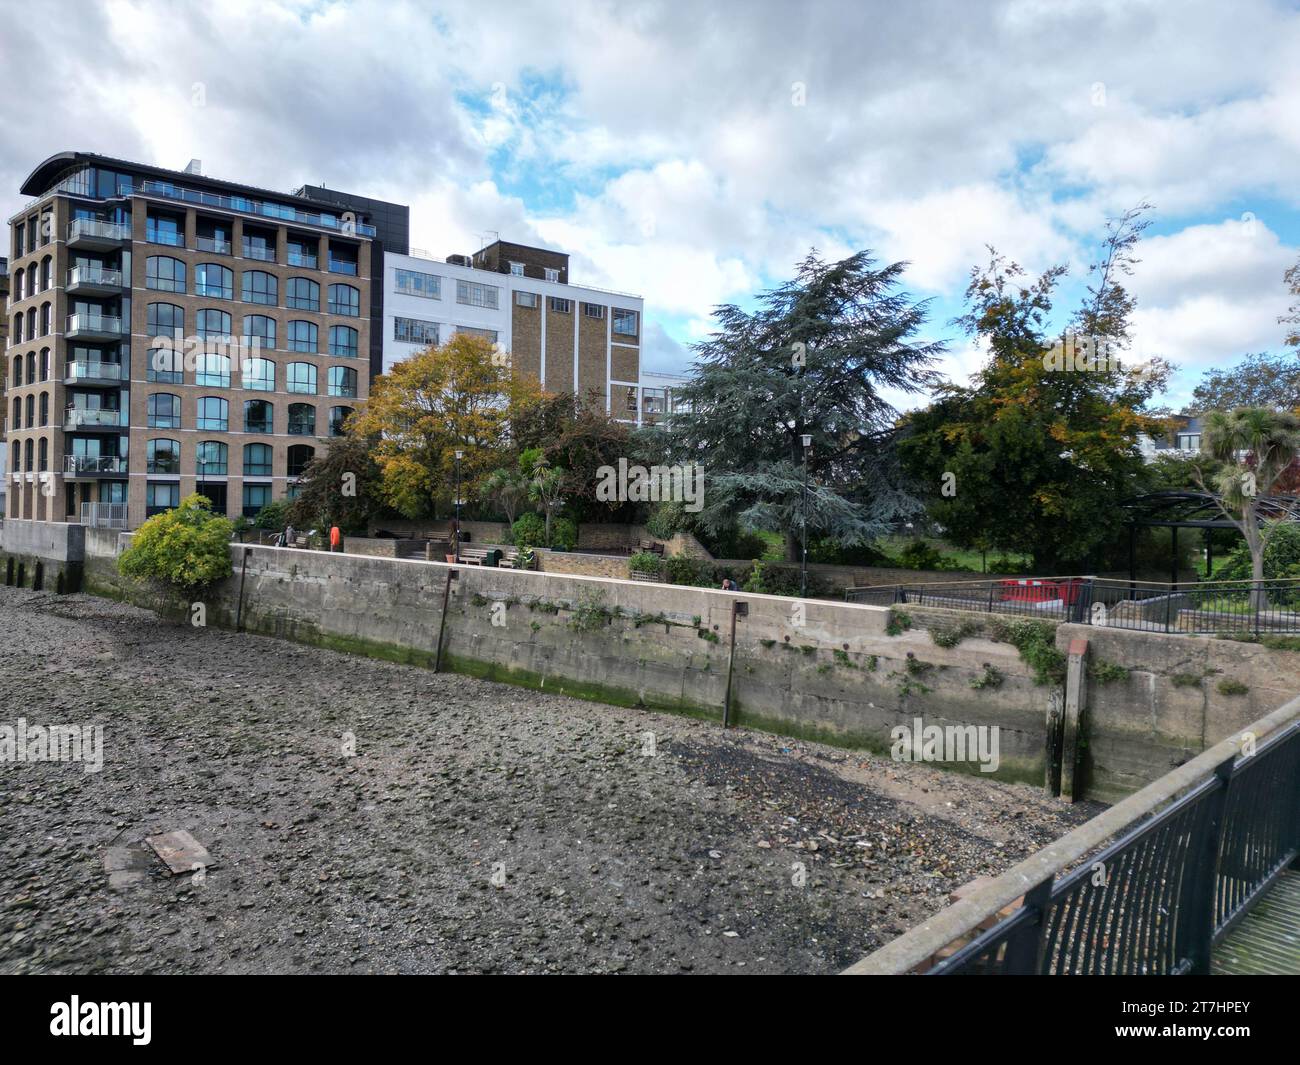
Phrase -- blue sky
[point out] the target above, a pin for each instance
(694, 153)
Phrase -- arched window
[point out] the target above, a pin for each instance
(346, 300)
(302, 294)
(343, 341)
(212, 371)
(259, 375)
(162, 456)
(31, 411)
(31, 367)
(300, 377)
(258, 416)
(164, 274)
(164, 411)
(215, 281)
(298, 457)
(338, 416)
(45, 364)
(31, 324)
(302, 419)
(260, 287)
(47, 313)
(166, 320)
(212, 325)
(257, 460)
(302, 336)
(259, 331)
(343, 381)
(15, 457)
(166, 366)
(18, 414)
(27, 451)
(211, 458)
(45, 408)
(17, 330)
(19, 274)
(43, 462)
(47, 273)
(18, 370)
(213, 414)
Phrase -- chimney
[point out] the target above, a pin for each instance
(195, 167)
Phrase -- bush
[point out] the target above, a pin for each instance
(919, 554)
(680, 569)
(529, 530)
(665, 520)
(187, 548)
(273, 516)
(646, 562)
(564, 534)
(832, 553)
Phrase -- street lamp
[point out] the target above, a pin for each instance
(806, 438)
(456, 549)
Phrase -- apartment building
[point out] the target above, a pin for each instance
(4, 377)
(171, 333)
(568, 337)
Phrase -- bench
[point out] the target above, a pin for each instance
(653, 546)
(511, 561)
(474, 556)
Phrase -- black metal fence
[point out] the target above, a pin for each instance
(1223, 608)
(1158, 900)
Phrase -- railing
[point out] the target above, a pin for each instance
(303, 259)
(104, 515)
(212, 244)
(94, 464)
(94, 323)
(247, 205)
(74, 418)
(90, 275)
(1197, 849)
(256, 251)
(93, 227)
(104, 371)
(342, 266)
(1223, 608)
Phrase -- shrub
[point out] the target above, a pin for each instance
(899, 622)
(564, 534)
(1035, 640)
(679, 569)
(646, 562)
(990, 678)
(273, 515)
(665, 520)
(529, 530)
(833, 553)
(1104, 672)
(919, 555)
(187, 548)
(1232, 687)
(950, 634)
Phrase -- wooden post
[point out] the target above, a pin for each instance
(442, 619)
(1076, 704)
(742, 610)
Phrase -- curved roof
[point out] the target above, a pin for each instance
(1200, 510)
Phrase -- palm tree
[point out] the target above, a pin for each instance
(546, 488)
(506, 488)
(1256, 446)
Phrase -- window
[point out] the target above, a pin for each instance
(259, 375)
(162, 273)
(302, 336)
(164, 411)
(259, 331)
(625, 322)
(214, 280)
(211, 370)
(300, 377)
(212, 325)
(343, 341)
(298, 457)
(166, 320)
(526, 299)
(593, 310)
(552, 274)
(338, 416)
(260, 287)
(302, 294)
(31, 367)
(166, 366)
(560, 305)
(31, 411)
(258, 416)
(160, 496)
(256, 497)
(165, 229)
(162, 456)
(43, 460)
(18, 369)
(45, 364)
(517, 269)
(490, 335)
(18, 328)
(213, 414)
(475, 295)
(415, 331)
(257, 459)
(18, 414)
(211, 458)
(343, 381)
(45, 409)
(302, 421)
(47, 273)
(414, 283)
(345, 300)
(1189, 441)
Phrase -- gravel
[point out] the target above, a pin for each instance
(364, 816)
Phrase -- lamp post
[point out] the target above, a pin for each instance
(456, 549)
(806, 438)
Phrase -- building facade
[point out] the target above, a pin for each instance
(567, 337)
(172, 333)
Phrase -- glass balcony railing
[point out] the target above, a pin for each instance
(94, 464)
(264, 208)
(94, 229)
(214, 244)
(94, 323)
(86, 370)
(258, 251)
(104, 515)
(75, 418)
(94, 276)
(304, 259)
(164, 236)
(342, 266)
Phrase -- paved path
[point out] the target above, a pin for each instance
(1267, 942)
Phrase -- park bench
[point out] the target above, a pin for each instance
(474, 556)
(653, 546)
(511, 561)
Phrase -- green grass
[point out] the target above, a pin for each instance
(775, 551)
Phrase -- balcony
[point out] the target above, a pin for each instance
(94, 281)
(342, 266)
(214, 245)
(305, 259)
(258, 251)
(104, 515)
(93, 373)
(165, 236)
(247, 205)
(90, 234)
(81, 419)
(93, 465)
(93, 327)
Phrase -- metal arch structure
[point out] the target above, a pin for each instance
(1183, 509)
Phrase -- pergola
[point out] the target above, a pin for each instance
(1182, 509)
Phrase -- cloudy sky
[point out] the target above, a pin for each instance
(694, 152)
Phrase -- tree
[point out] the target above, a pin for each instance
(813, 358)
(545, 484)
(1269, 440)
(341, 487)
(1034, 457)
(456, 397)
(1292, 317)
(1259, 380)
(506, 489)
(187, 547)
